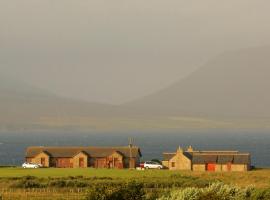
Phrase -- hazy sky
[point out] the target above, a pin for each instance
(116, 50)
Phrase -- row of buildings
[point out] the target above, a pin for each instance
(129, 157)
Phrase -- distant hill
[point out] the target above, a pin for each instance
(230, 91)
(27, 108)
(235, 84)
(23, 105)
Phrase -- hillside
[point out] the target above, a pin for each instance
(231, 91)
(25, 106)
(235, 84)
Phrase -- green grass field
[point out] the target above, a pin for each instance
(88, 172)
(258, 178)
(19, 183)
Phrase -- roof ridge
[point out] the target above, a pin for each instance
(101, 147)
(168, 153)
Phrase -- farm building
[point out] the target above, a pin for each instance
(83, 157)
(206, 160)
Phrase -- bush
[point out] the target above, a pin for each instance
(28, 184)
(29, 177)
(58, 183)
(260, 194)
(216, 191)
(77, 184)
(132, 191)
(129, 191)
(157, 161)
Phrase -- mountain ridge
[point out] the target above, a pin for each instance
(230, 91)
(235, 77)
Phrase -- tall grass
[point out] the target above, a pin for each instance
(218, 191)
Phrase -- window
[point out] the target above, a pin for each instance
(173, 164)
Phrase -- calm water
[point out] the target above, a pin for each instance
(12, 145)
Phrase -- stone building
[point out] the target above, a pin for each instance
(83, 157)
(207, 160)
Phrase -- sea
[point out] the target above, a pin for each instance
(151, 143)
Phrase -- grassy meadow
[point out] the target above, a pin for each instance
(19, 183)
(258, 177)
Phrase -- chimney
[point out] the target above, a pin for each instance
(130, 142)
(190, 149)
(179, 150)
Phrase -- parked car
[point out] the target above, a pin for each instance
(151, 165)
(31, 165)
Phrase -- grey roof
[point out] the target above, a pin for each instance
(188, 155)
(197, 159)
(69, 152)
(239, 159)
(168, 156)
(221, 158)
(202, 159)
(218, 157)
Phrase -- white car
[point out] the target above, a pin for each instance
(31, 165)
(152, 165)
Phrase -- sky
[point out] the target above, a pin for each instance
(116, 51)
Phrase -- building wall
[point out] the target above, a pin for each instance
(91, 162)
(225, 167)
(76, 160)
(239, 167)
(165, 164)
(100, 163)
(179, 162)
(198, 167)
(132, 163)
(39, 157)
(115, 161)
(218, 168)
(64, 162)
(105, 162)
(52, 162)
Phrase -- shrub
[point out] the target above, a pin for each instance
(98, 193)
(157, 161)
(29, 177)
(260, 194)
(216, 191)
(129, 191)
(28, 184)
(58, 183)
(78, 184)
(133, 191)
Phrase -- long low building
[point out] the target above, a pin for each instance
(207, 160)
(82, 157)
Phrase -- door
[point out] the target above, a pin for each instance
(81, 162)
(42, 162)
(100, 163)
(63, 163)
(211, 167)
